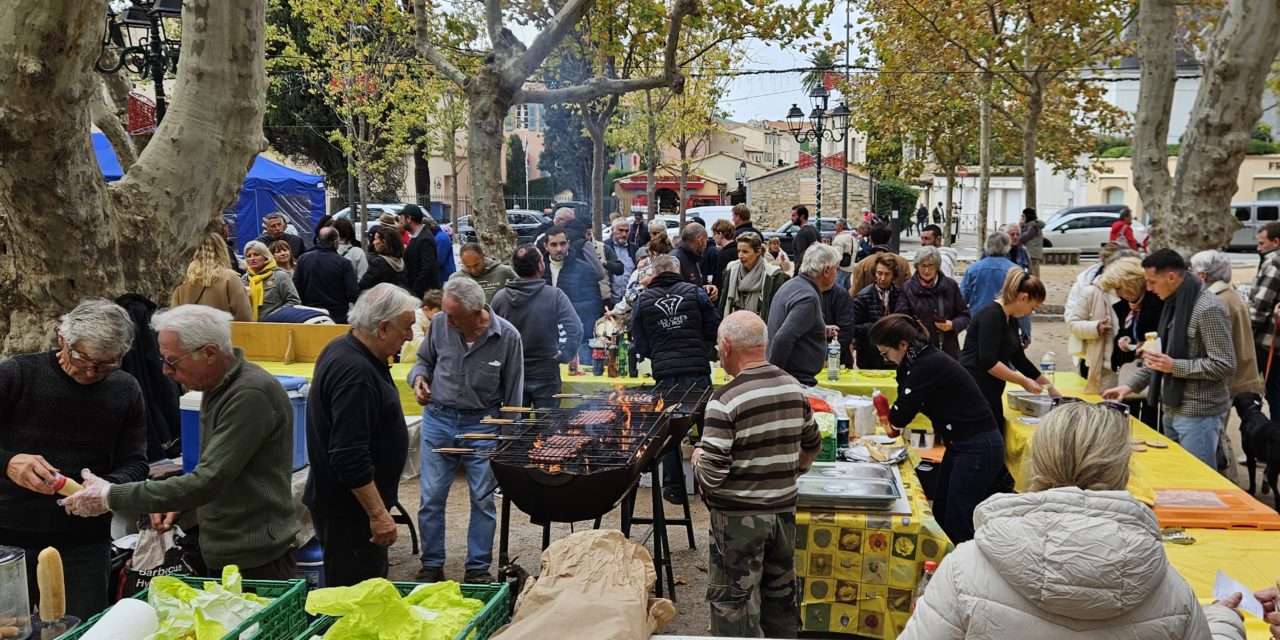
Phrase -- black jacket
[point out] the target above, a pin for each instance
(422, 270)
(1148, 320)
(355, 430)
(380, 271)
(746, 227)
(674, 326)
(806, 236)
(690, 265)
(867, 309)
(837, 309)
(326, 280)
(164, 422)
(944, 391)
(296, 244)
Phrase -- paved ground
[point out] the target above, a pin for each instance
(1049, 334)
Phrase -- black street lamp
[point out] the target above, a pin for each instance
(742, 179)
(821, 125)
(135, 40)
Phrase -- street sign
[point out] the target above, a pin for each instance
(962, 171)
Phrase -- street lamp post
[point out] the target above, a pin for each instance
(822, 125)
(742, 179)
(137, 41)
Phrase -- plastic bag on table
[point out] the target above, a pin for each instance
(154, 554)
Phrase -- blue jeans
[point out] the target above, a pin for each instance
(965, 479)
(1197, 434)
(440, 425)
(843, 278)
(538, 392)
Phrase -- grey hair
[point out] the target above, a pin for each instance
(996, 244)
(254, 245)
(692, 231)
(466, 291)
(657, 225)
(99, 326)
(928, 255)
(620, 222)
(744, 330)
(564, 211)
(1214, 265)
(383, 302)
(1123, 253)
(665, 264)
(818, 258)
(196, 326)
(274, 215)
(1080, 445)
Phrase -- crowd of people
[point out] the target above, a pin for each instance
(1158, 336)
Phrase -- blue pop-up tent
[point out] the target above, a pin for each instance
(269, 187)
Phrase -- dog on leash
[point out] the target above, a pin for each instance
(1260, 440)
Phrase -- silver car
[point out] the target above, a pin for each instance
(1086, 228)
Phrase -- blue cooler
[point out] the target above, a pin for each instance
(311, 564)
(189, 405)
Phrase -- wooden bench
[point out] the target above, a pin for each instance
(1061, 256)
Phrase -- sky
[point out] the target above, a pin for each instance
(769, 96)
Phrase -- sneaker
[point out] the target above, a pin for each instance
(674, 495)
(1242, 459)
(497, 493)
(430, 574)
(478, 576)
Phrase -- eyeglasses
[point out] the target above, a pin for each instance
(80, 361)
(172, 363)
(1110, 404)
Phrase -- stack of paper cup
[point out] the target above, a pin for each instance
(862, 415)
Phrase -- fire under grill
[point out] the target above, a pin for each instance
(574, 464)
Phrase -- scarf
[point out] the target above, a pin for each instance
(1168, 389)
(256, 290)
(745, 288)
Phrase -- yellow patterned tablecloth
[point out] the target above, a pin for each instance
(858, 570)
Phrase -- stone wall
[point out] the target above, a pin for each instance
(772, 195)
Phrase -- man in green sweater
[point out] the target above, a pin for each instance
(491, 275)
(240, 486)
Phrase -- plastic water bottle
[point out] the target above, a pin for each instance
(833, 359)
(1047, 366)
(929, 568)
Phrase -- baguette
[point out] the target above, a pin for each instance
(53, 593)
(8, 632)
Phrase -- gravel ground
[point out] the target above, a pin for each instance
(1049, 334)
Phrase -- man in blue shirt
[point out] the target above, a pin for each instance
(984, 279)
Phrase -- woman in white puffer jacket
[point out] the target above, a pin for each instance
(1077, 557)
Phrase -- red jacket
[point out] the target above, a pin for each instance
(1119, 228)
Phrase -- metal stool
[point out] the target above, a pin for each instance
(404, 519)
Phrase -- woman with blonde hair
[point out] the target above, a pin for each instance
(270, 289)
(750, 281)
(774, 255)
(1076, 556)
(211, 282)
(1137, 313)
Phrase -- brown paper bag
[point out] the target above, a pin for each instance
(594, 584)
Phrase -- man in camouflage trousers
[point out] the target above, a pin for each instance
(758, 436)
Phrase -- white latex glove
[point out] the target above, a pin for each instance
(91, 500)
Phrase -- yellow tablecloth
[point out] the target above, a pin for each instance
(307, 369)
(1252, 557)
(858, 570)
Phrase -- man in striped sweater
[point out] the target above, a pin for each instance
(758, 436)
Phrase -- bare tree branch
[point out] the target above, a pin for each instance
(493, 20)
(592, 89)
(107, 120)
(428, 51)
(520, 68)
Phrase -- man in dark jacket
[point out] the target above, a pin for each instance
(837, 311)
(574, 267)
(742, 220)
(807, 236)
(421, 267)
(625, 252)
(693, 244)
(529, 303)
(877, 300)
(356, 438)
(797, 333)
(325, 279)
(674, 326)
(276, 224)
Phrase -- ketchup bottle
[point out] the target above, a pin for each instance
(882, 413)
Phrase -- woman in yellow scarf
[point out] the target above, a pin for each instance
(269, 287)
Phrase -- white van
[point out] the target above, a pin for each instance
(710, 214)
(1253, 216)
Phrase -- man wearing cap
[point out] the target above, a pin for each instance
(421, 267)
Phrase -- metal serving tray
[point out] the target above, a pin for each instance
(849, 486)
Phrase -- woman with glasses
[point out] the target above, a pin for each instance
(1075, 557)
(933, 383)
(211, 282)
(60, 412)
(270, 289)
(993, 340)
(1137, 313)
(935, 300)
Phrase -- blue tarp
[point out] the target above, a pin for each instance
(269, 187)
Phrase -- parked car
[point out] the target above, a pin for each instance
(1086, 228)
(710, 214)
(525, 222)
(787, 233)
(1253, 216)
(375, 210)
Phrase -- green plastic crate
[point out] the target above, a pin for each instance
(282, 619)
(495, 613)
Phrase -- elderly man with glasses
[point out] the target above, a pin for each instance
(240, 485)
(60, 412)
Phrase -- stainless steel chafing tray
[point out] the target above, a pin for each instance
(849, 486)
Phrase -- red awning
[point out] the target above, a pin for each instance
(641, 184)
